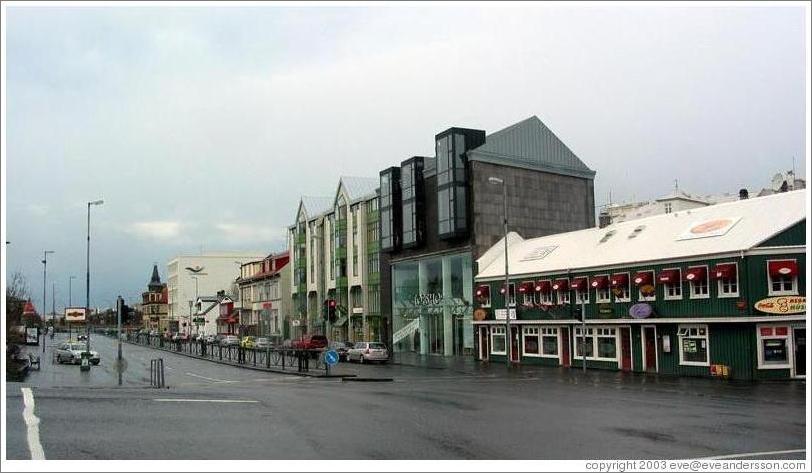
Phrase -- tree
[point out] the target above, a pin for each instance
(16, 296)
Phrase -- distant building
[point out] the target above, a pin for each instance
(679, 200)
(263, 285)
(190, 276)
(154, 309)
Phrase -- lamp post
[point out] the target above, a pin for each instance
(87, 281)
(508, 335)
(44, 283)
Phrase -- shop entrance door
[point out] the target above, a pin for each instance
(799, 341)
(650, 349)
(459, 335)
(626, 348)
(484, 347)
(565, 347)
(514, 344)
(436, 334)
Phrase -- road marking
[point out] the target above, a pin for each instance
(211, 379)
(206, 400)
(752, 454)
(32, 422)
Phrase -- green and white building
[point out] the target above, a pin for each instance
(711, 291)
(334, 252)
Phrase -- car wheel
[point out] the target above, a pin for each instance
(59, 359)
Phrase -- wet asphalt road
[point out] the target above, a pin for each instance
(487, 413)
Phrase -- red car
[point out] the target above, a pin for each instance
(310, 342)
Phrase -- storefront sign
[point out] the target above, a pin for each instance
(428, 299)
(782, 305)
(605, 309)
(640, 311)
(480, 314)
(709, 228)
(500, 314)
(75, 314)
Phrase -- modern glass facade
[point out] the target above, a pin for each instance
(432, 305)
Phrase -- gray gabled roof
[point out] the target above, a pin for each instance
(530, 144)
(358, 188)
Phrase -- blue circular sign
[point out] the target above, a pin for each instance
(331, 357)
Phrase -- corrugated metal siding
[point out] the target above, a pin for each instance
(734, 345)
(795, 235)
(637, 349)
(757, 282)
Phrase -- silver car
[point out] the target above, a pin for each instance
(72, 353)
(365, 352)
(262, 343)
(230, 340)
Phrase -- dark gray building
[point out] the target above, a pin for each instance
(439, 214)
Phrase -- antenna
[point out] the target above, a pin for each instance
(676, 186)
(792, 186)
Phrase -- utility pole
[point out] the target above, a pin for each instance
(87, 281)
(119, 306)
(583, 334)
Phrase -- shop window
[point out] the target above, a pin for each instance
(782, 277)
(693, 343)
(527, 292)
(727, 275)
(607, 343)
(512, 294)
(601, 343)
(498, 342)
(581, 287)
(644, 280)
(545, 292)
(620, 287)
(483, 295)
(773, 346)
(671, 280)
(601, 285)
(530, 341)
(584, 345)
(549, 342)
(697, 277)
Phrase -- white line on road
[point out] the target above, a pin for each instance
(32, 422)
(205, 400)
(752, 454)
(211, 379)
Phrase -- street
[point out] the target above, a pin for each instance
(213, 411)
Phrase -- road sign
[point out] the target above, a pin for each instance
(330, 357)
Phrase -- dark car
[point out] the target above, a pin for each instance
(341, 348)
(311, 342)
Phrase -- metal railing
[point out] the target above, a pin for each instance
(156, 373)
(276, 358)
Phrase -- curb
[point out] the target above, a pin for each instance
(368, 380)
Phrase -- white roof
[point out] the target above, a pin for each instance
(722, 228)
(359, 187)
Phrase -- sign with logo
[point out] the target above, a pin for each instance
(480, 314)
(709, 228)
(75, 314)
(782, 305)
(640, 311)
(502, 313)
(428, 299)
(605, 309)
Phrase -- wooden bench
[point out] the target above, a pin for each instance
(33, 361)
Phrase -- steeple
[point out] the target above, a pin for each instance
(155, 282)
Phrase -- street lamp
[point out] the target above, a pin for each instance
(87, 281)
(508, 335)
(44, 278)
(70, 290)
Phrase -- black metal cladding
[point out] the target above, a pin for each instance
(452, 179)
(412, 190)
(390, 209)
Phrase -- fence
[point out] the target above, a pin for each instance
(277, 359)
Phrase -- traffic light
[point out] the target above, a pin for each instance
(325, 313)
(331, 310)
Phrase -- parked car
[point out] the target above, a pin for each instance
(82, 338)
(341, 348)
(71, 352)
(230, 340)
(248, 342)
(262, 343)
(368, 351)
(310, 342)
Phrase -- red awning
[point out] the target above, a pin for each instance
(600, 282)
(669, 276)
(560, 284)
(783, 268)
(580, 283)
(698, 273)
(483, 291)
(725, 271)
(526, 287)
(642, 278)
(621, 279)
(543, 286)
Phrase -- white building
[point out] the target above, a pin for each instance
(192, 276)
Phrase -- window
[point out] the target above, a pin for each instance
(452, 206)
(600, 343)
(544, 290)
(498, 343)
(561, 288)
(782, 277)
(667, 207)
(530, 341)
(620, 287)
(727, 275)
(581, 287)
(773, 346)
(373, 263)
(601, 285)
(697, 277)
(528, 294)
(549, 342)
(483, 295)
(390, 208)
(671, 280)
(644, 280)
(512, 294)
(693, 345)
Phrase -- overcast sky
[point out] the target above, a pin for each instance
(201, 127)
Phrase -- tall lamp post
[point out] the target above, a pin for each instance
(70, 290)
(87, 281)
(508, 335)
(44, 279)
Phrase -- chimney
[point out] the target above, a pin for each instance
(743, 194)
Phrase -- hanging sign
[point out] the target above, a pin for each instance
(480, 314)
(501, 314)
(782, 305)
(428, 299)
(640, 311)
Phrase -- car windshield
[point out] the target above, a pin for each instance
(360, 345)
(76, 346)
(377, 346)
